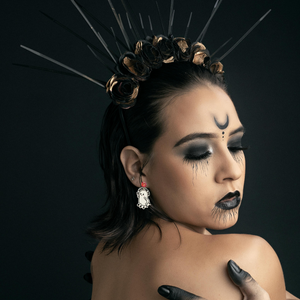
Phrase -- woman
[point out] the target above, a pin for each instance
(186, 146)
(197, 184)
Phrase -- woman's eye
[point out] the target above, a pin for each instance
(194, 156)
(236, 145)
(237, 148)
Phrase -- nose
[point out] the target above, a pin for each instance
(229, 168)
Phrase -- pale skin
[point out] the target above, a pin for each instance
(187, 191)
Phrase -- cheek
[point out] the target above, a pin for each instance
(244, 172)
(239, 157)
(166, 176)
(179, 188)
(241, 160)
(198, 168)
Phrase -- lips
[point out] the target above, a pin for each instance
(229, 201)
(229, 196)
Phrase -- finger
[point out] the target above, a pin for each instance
(175, 293)
(248, 286)
(89, 255)
(238, 275)
(88, 277)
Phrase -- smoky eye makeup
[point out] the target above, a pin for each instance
(235, 145)
(197, 152)
(237, 142)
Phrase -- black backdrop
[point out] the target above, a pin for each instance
(51, 183)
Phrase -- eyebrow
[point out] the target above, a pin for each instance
(240, 129)
(199, 135)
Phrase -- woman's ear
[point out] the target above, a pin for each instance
(132, 161)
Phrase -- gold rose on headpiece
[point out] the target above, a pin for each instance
(134, 66)
(123, 90)
(166, 48)
(149, 53)
(182, 48)
(216, 68)
(199, 54)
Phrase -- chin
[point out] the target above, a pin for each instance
(224, 219)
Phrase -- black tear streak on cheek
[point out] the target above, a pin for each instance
(195, 169)
(203, 168)
(238, 157)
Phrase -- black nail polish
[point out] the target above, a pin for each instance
(163, 291)
(234, 266)
(88, 277)
(89, 255)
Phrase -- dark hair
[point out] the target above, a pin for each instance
(122, 219)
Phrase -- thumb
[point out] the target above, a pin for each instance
(248, 286)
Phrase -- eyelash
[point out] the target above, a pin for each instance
(191, 157)
(236, 149)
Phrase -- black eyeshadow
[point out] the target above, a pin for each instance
(196, 149)
(235, 143)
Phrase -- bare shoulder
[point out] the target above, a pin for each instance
(186, 259)
(198, 264)
(257, 257)
(255, 247)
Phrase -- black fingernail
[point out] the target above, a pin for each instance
(234, 266)
(163, 291)
(89, 255)
(237, 274)
(88, 277)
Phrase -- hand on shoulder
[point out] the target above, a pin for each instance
(199, 265)
(256, 255)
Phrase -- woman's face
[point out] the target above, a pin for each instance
(197, 161)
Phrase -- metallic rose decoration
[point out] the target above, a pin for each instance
(149, 53)
(216, 68)
(199, 54)
(182, 48)
(123, 90)
(166, 48)
(134, 66)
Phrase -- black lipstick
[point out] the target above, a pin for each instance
(229, 201)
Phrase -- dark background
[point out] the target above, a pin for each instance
(51, 183)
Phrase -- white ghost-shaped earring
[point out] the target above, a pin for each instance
(143, 195)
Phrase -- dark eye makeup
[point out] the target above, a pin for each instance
(235, 145)
(202, 152)
(193, 157)
(197, 152)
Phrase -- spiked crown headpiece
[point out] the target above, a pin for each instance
(147, 53)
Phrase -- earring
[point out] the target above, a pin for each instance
(143, 195)
(132, 178)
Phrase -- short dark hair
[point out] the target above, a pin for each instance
(122, 219)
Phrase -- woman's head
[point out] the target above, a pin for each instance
(178, 99)
(197, 161)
